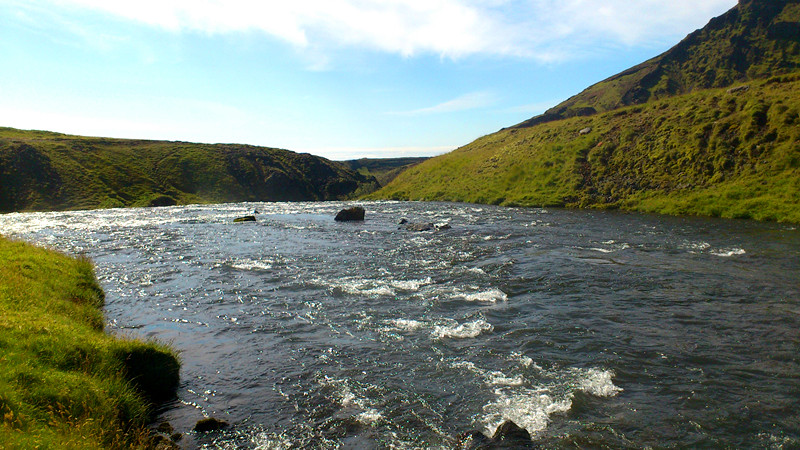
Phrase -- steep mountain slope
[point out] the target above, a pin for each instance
(755, 39)
(718, 152)
(51, 171)
(685, 149)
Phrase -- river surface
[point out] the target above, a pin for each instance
(589, 329)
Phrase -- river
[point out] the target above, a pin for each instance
(587, 328)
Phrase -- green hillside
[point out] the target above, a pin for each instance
(50, 171)
(754, 40)
(712, 152)
(690, 149)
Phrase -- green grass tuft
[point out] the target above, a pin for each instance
(64, 383)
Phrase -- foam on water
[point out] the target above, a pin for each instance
(410, 285)
(598, 382)
(357, 286)
(528, 408)
(531, 406)
(465, 330)
(498, 378)
(493, 295)
(250, 264)
(728, 252)
(408, 325)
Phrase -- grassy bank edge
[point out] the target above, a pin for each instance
(64, 382)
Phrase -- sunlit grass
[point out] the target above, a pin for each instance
(64, 383)
(711, 153)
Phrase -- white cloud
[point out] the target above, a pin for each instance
(345, 153)
(465, 102)
(546, 30)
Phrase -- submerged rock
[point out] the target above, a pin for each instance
(165, 427)
(354, 214)
(419, 226)
(508, 435)
(210, 424)
(427, 226)
(245, 219)
(160, 442)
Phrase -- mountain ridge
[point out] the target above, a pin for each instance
(41, 170)
(728, 150)
(729, 49)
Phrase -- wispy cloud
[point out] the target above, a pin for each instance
(472, 100)
(345, 153)
(546, 30)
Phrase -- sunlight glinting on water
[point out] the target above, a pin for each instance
(303, 332)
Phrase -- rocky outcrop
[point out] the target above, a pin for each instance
(354, 214)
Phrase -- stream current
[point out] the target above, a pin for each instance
(587, 328)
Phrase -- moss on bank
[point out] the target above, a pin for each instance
(64, 383)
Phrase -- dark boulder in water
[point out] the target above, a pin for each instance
(354, 214)
(210, 424)
(508, 435)
(245, 219)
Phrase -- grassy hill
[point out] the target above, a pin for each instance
(754, 40)
(41, 170)
(712, 152)
(689, 149)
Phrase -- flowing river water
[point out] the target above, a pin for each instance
(587, 328)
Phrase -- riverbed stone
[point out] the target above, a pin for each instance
(508, 435)
(354, 214)
(425, 226)
(210, 424)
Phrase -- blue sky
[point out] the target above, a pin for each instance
(337, 78)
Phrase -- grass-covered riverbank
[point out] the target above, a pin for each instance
(64, 383)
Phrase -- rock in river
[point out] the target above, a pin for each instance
(210, 424)
(353, 214)
(508, 435)
(245, 219)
